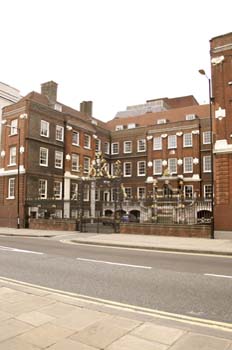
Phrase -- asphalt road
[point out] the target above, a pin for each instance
(192, 285)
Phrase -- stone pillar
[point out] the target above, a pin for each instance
(66, 198)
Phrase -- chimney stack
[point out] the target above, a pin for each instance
(86, 107)
(49, 90)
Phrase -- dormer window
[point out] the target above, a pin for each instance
(131, 126)
(190, 116)
(118, 127)
(161, 121)
(58, 107)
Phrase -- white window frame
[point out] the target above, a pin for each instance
(127, 147)
(75, 162)
(206, 138)
(86, 194)
(41, 150)
(57, 190)
(172, 141)
(86, 164)
(206, 163)
(44, 128)
(208, 194)
(172, 165)
(11, 188)
(58, 214)
(77, 137)
(127, 166)
(43, 195)
(161, 121)
(87, 141)
(74, 191)
(128, 192)
(157, 167)
(131, 126)
(139, 190)
(59, 133)
(97, 145)
(141, 165)
(13, 155)
(188, 162)
(113, 145)
(118, 127)
(14, 127)
(106, 147)
(157, 143)
(186, 187)
(141, 145)
(74, 213)
(188, 140)
(58, 160)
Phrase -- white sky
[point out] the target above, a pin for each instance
(113, 52)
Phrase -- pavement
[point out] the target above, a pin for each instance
(163, 243)
(34, 317)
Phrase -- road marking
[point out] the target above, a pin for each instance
(161, 251)
(113, 263)
(126, 307)
(9, 249)
(213, 275)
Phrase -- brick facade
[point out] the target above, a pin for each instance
(221, 72)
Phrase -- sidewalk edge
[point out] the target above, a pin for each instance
(165, 249)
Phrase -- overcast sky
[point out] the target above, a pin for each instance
(113, 52)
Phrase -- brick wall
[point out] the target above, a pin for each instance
(53, 224)
(201, 231)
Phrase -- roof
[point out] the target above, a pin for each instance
(172, 115)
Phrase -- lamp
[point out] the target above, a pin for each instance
(202, 72)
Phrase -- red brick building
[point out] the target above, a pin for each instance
(46, 146)
(221, 71)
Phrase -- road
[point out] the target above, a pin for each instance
(187, 284)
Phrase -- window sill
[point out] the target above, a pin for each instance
(10, 197)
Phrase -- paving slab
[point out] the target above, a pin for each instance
(35, 318)
(57, 309)
(130, 342)
(4, 316)
(32, 303)
(10, 328)
(45, 335)
(80, 318)
(17, 344)
(68, 344)
(194, 341)
(102, 333)
(152, 332)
